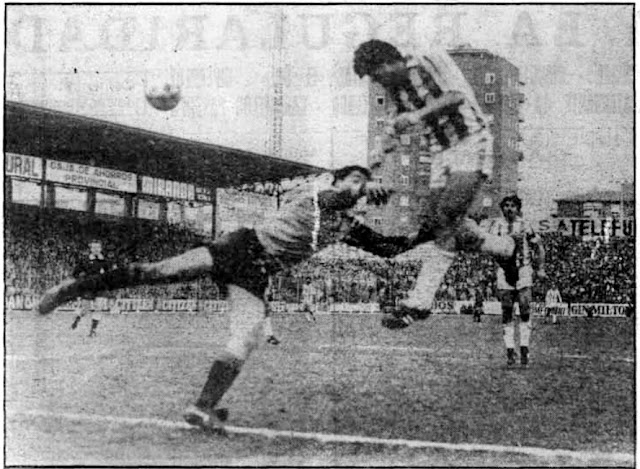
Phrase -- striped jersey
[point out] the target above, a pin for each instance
(430, 76)
(524, 255)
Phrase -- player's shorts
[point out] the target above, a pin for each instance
(509, 297)
(474, 153)
(240, 259)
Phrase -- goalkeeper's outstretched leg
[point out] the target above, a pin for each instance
(187, 266)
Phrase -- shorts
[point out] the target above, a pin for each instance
(444, 207)
(240, 259)
(474, 153)
(509, 297)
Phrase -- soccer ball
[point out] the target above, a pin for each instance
(163, 96)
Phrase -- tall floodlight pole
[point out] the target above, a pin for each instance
(277, 56)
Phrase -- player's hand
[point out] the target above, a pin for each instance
(377, 194)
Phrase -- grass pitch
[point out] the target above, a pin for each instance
(443, 380)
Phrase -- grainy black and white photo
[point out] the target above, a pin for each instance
(319, 235)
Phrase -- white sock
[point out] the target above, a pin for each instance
(268, 328)
(508, 331)
(525, 333)
(434, 265)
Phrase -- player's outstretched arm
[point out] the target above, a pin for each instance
(363, 237)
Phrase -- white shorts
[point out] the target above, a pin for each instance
(474, 153)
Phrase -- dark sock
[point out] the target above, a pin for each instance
(94, 324)
(221, 376)
(121, 277)
(76, 321)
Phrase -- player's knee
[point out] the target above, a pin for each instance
(242, 345)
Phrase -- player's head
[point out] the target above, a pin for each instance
(95, 246)
(381, 61)
(353, 178)
(511, 206)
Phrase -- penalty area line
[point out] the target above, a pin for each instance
(336, 438)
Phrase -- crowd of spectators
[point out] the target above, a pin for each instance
(42, 248)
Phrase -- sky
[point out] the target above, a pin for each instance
(96, 60)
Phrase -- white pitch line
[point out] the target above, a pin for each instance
(587, 357)
(333, 438)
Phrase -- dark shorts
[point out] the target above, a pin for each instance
(239, 259)
(442, 207)
(509, 297)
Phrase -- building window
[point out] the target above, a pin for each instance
(509, 82)
(424, 143)
(25, 192)
(404, 201)
(380, 100)
(404, 180)
(489, 98)
(405, 139)
(377, 221)
(404, 220)
(109, 204)
(377, 179)
(424, 158)
(489, 78)
(405, 159)
(380, 122)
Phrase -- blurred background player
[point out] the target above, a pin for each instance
(514, 280)
(310, 296)
(268, 325)
(268, 328)
(433, 101)
(93, 264)
(478, 304)
(315, 216)
(553, 302)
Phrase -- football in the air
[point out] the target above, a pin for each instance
(163, 96)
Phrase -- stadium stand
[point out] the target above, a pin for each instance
(42, 248)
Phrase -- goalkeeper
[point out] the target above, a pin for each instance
(314, 217)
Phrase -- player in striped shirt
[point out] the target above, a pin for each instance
(312, 217)
(433, 101)
(515, 279)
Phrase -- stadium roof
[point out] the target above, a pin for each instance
(46, 133)
(600, 196)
